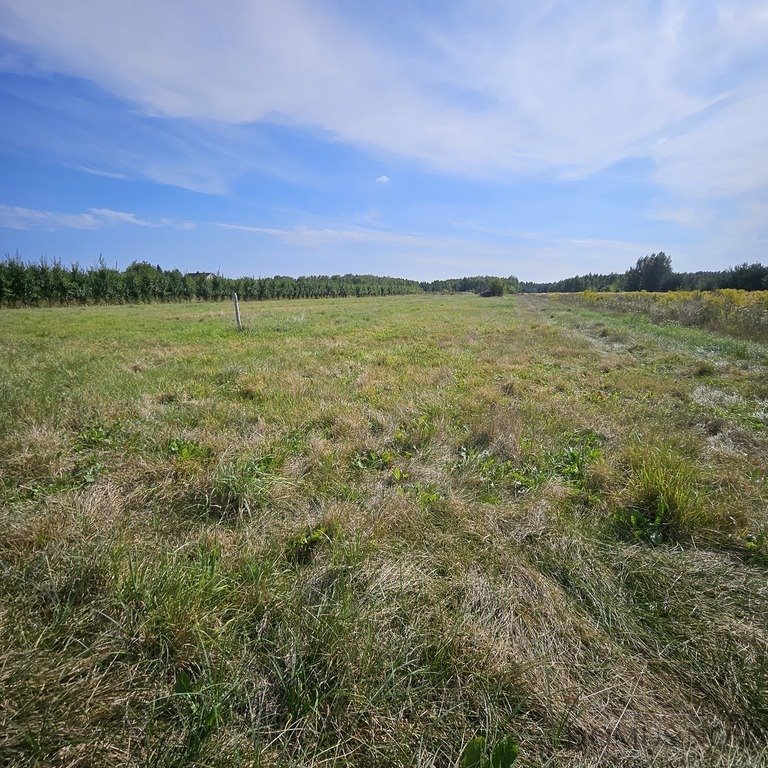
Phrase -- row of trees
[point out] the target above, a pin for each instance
(655, 273)
(44, 283)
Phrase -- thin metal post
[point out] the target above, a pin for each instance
(237, 312)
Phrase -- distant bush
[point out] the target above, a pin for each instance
(497, 287)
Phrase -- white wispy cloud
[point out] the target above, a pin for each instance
(530, 255)
(15, 217)
(317, 237)
(478, 88)
(99, 172)
(723, 157)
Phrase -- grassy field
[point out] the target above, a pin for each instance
(364, 532)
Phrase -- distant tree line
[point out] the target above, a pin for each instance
(39, 283)
(495, 286)
(655, 273)
(49, 283)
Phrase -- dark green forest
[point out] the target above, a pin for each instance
(655, 273)
(486, 284)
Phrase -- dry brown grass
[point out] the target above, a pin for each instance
(364, 532)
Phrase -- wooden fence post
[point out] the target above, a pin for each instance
(237, 312)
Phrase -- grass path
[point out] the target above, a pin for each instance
(363, 532)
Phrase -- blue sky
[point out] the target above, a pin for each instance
(419, 139)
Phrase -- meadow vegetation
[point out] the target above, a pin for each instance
(416, 531)
(743, 314)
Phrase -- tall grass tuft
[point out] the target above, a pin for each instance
(661, 502)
